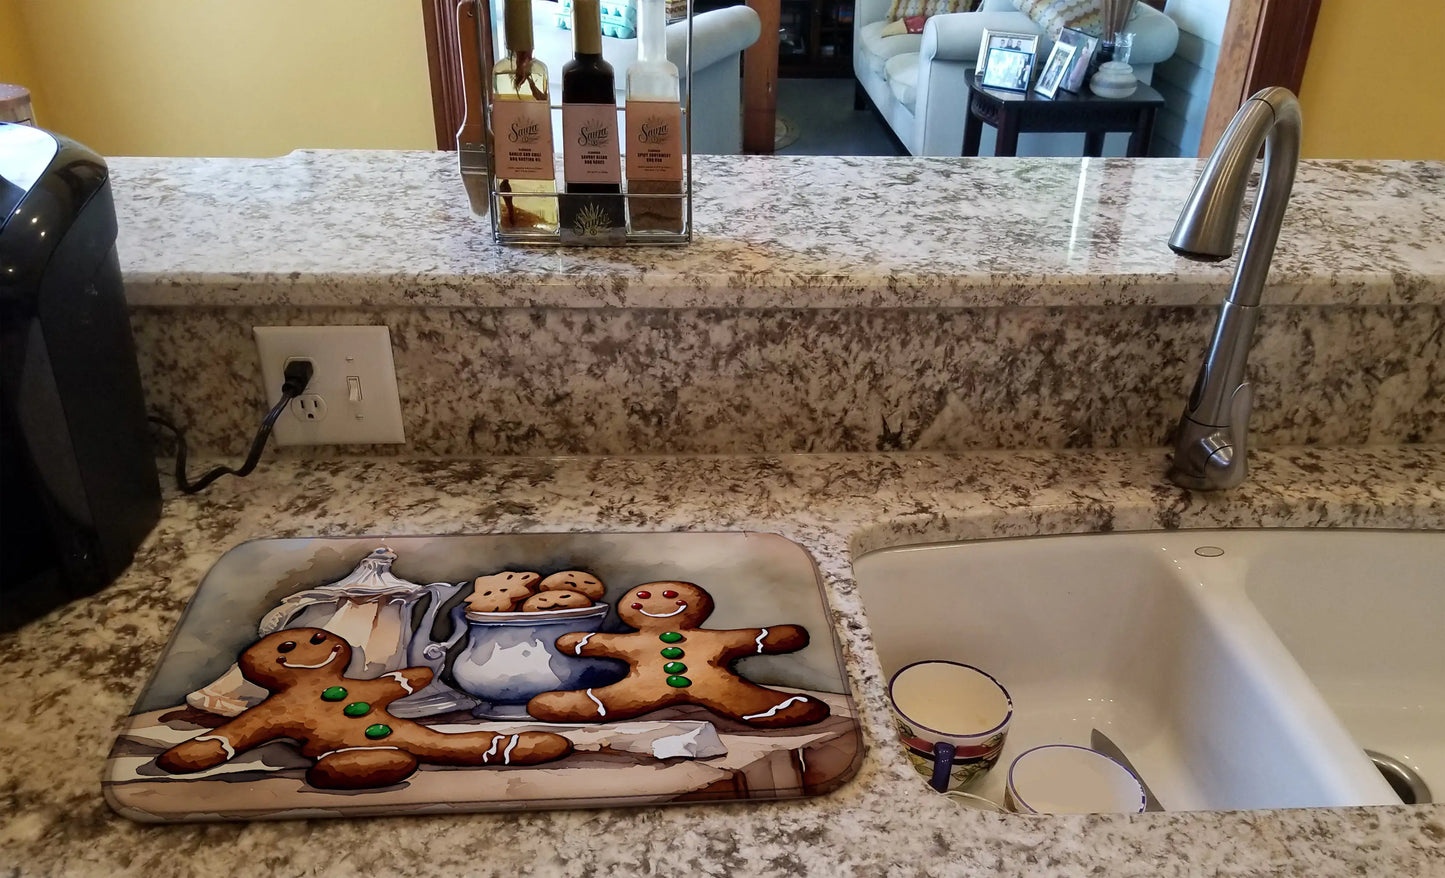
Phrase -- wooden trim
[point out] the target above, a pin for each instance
(1266, 42)
(760, 81)
(444, 66)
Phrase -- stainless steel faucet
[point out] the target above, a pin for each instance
(1210, 450)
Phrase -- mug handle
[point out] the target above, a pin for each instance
(942, 765)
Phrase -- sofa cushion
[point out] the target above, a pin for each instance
(902, 73)
(878, 49)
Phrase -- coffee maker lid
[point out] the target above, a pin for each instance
(25, 153)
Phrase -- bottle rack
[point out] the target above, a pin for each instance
(490, 45)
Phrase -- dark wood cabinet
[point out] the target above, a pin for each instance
(815, 38)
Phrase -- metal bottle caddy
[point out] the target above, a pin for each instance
(626, 235)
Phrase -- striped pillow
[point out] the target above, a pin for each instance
(908, 8)
(1053, 16)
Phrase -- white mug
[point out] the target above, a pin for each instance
(951, 718)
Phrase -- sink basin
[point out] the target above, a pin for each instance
(1236, 669)
(1364, 616)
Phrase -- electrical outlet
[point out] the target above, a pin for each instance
(352, 398)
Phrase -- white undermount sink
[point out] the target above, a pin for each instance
(1236, 669)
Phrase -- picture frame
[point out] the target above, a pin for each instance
(1085, 47)
(1055, 69)
(1007, 60)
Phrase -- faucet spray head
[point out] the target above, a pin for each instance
(1206, 227)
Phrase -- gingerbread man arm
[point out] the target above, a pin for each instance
(220, 744)
(585, 644)
(740, 642)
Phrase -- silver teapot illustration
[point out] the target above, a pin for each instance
(511, 656)
(372, 609)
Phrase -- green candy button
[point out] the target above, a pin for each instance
(671, 652)
(357, 708)
(335, 693)
(380, 730)
(674, 667)
(669, 637)
(679, 682)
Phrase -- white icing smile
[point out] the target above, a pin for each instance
(664, 615)
(334, 650)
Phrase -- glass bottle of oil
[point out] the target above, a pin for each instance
(592, 209)
(654, 128)
(522, 130)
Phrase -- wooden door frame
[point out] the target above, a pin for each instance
(1266, 42)
(444, 66)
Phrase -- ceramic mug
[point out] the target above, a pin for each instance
(952, 719)
(1066, 779)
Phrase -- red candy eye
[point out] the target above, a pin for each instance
(637, 606)
(669, 594)
(644, 594)
(682, 603)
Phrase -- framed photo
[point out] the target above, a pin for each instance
(1054, 70)
(1007, 60)
(1084, 48)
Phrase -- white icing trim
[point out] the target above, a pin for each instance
(486, 757)
(583, 642)
(335, 650)
(507, 754)
(230, 751)
(664, 615)
(776, 708)
(760, 641)
(349, 749)
(396, 675)
(601, 711)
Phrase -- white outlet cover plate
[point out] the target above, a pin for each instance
(336, 352)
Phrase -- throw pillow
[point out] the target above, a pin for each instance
(902, 9)
(1053, 16)
(913, 24)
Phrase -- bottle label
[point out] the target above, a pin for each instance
(654, 140)
(522, 133)
(589, 145)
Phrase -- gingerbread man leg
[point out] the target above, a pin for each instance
(483, 748)
(361, 768)
(606, 704)
(762, 707)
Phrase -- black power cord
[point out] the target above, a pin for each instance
(297, 375)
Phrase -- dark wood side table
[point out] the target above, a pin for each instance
(1016, 112)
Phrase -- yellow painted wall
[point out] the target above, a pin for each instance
(17, 65)
(1374, 85)
(231, 77)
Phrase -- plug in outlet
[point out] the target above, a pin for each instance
(352, 398)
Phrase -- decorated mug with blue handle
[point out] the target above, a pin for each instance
(951, 718)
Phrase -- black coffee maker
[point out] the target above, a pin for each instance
(78, 484)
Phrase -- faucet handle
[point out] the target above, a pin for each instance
(1232, 460)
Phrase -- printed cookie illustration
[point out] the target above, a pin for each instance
(501, 592)
(575, 580)
(557, 599)
(343, 723)
(674, 661)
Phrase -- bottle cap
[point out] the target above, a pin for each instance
(519, 25)
(587, 24)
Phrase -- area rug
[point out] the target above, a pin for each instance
(785, 133)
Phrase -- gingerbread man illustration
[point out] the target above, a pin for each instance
(343, 722)
(673, 660)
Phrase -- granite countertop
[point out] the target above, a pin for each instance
(75, 673)
(379, 229)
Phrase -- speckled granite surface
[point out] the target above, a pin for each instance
(683, 381)
(74, 674)
(386, 228)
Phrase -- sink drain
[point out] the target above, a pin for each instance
(1408, 785)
